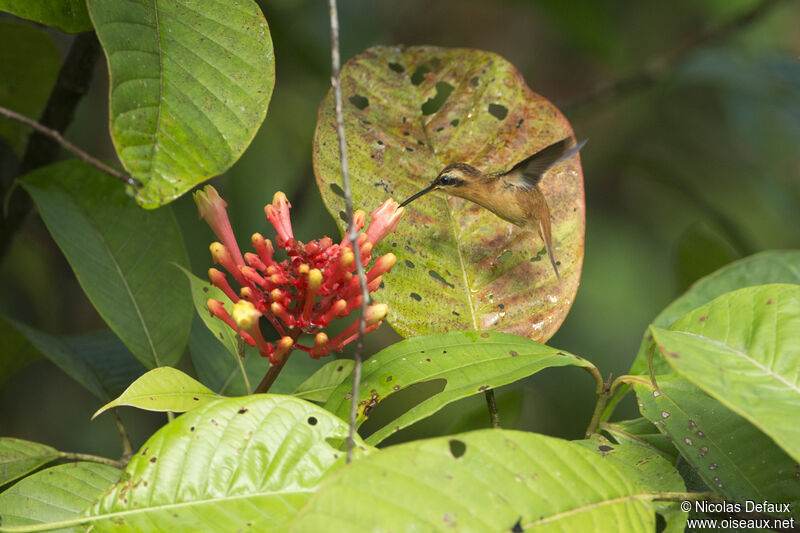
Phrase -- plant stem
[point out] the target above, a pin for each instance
(603, 390)
(127, 449)
(71, 85)
(272, 375)
(240, 362)
(57, 137)
(352, 234)
(93, 458)
(494, 416)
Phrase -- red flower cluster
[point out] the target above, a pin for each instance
(301, 294)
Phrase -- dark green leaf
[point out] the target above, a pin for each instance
(190, 85)
(120, 255)
(18, 350)
(29, 62)
(642, 432)
(457, 266)
(67, 15)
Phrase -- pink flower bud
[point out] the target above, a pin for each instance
(384, 220)
(278, 215)
(383, 265)
(222, 256)
(212, 208)
(218, 280)
(264, 248)
(319, 349)
(254, 261)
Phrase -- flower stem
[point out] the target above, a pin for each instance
(69, 456)
(494, 416)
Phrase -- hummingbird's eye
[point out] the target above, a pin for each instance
(447, 180)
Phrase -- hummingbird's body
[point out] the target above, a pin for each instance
(512, 195)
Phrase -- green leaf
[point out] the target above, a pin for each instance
(457, 266)
(202, 291)
(469, 362)
(120, 255)
(19, 351)
(742, 349)
(98, 361)
(29, 62)
(239, 463)
(490, 480)
(163, 389)
(778, 266)
(641, 432)
(56, 494)
(18, 457)
(322, 383)
(733, 458)
(190, 85)
(67, 15)
(649, 469)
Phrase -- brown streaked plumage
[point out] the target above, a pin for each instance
(512, 195)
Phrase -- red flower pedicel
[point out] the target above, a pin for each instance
(301, 294)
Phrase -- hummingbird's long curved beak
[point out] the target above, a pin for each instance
(426, 190)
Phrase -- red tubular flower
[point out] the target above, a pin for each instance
(301, 294)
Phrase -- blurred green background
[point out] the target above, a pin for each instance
(682, 175)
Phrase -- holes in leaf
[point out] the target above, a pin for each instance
(416, 296)
(498, 111)
(361, 102)
(457, 448)
(410, 264)
(312, 421)
(343, 216)
(435, 275)
(436, 62)
(519, 122)
(336, 189)
(432, 105)
(474, 81)
(454, 122)
(401, 400)
(419, 75)
(397, 67)
(505, 256)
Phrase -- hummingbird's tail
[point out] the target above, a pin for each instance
(544, 232)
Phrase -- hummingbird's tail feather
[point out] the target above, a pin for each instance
(544, 231)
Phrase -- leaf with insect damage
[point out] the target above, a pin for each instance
(408, 113)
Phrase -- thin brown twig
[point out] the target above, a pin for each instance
(127, 448)
(352, 234)
(69, 456)
(661, 67)
(56, 136)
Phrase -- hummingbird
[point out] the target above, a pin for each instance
(512, 195)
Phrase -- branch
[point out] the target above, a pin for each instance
(57, 137)
(662, 67)
(71, 85)
(352, 234)
(69, 456)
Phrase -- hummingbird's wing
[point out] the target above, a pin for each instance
(527, 173)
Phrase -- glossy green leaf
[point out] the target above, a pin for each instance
(467, 362)
(29, 62)
(163, 389)
(777, 266)
(322, 383)
(202, 291)
(121, 256)
(18, 350)
(239, 463)
(67, 15)
(190, 85)
(641, 432)
(490, 480)
(457, 266)
(98, 361)
(731, 456)
(650, 470)
(18, 457)
(742, 349)
(56, 494)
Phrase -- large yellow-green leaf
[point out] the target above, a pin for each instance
(408, 113)
(67, 15)
(190, 85)
(463, 362)
(732, 457)
(60, 493)
(236, 464)
(483, 481)
(742, 349)
(18, 457)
